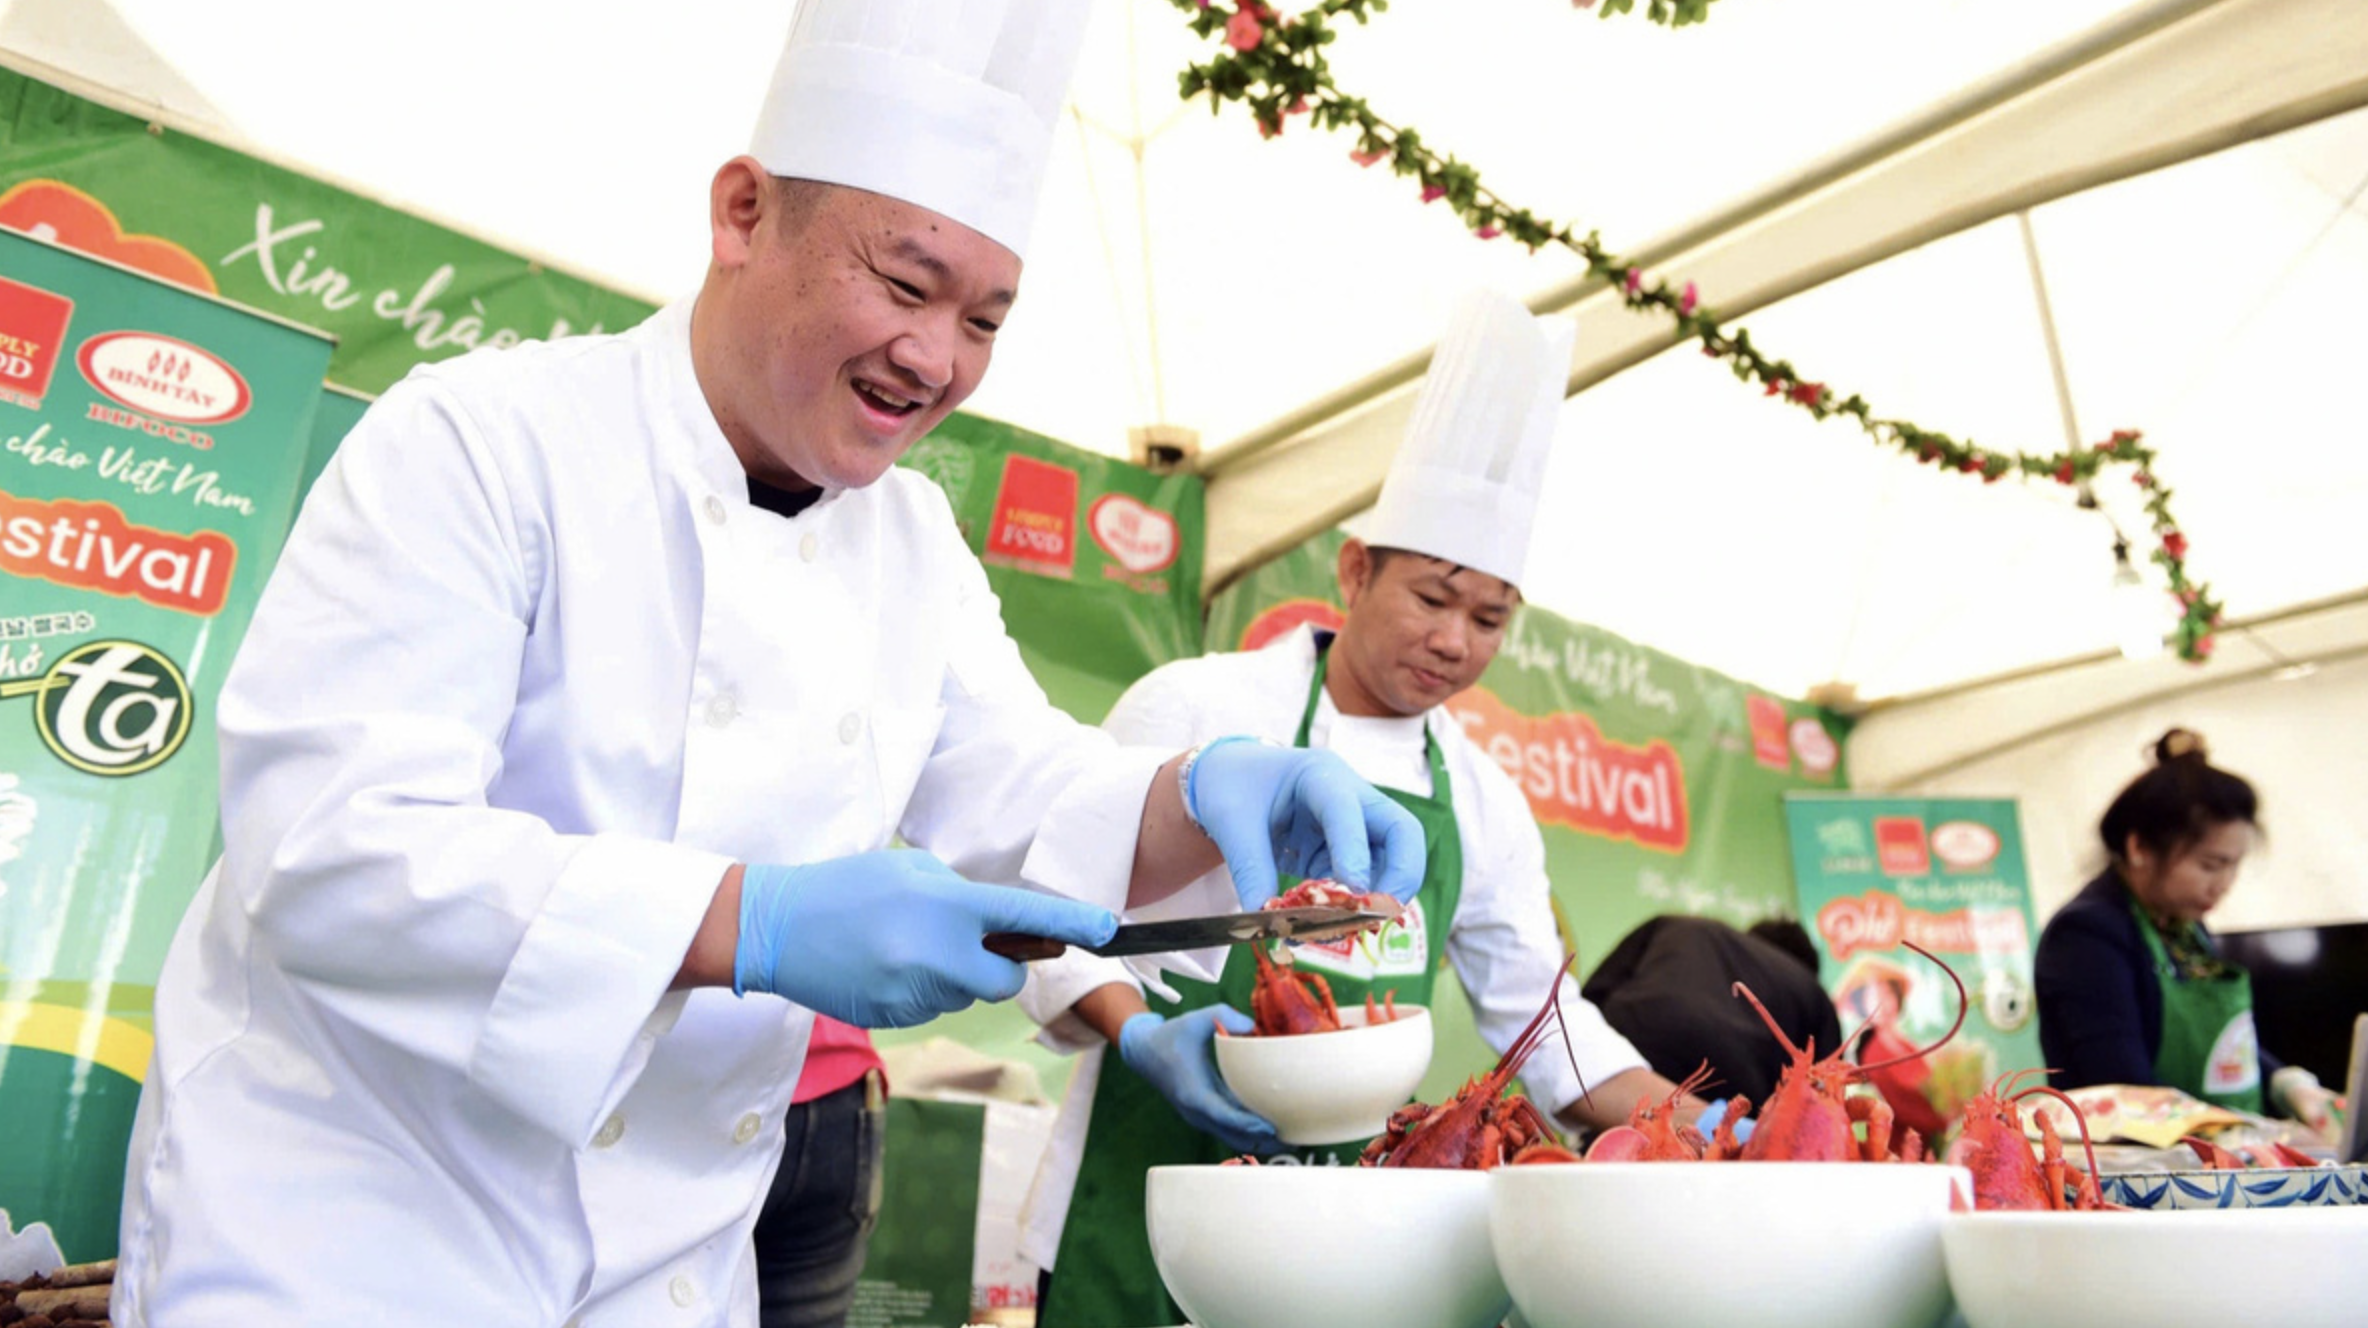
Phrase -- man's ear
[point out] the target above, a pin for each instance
(737, 201)
(1355, 569)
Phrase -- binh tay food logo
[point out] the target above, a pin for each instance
(92, 546)
(1141, 539)
(1574, 776)
(1964, 846)
(32, 327)
(110, 708)
(1035, 523)
(161, 375)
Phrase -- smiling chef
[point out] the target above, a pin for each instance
(561, 761)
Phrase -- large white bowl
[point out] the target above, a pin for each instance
(2293, 1267)
(1330, 1088)
(1305, 1247)
(1757, 1244)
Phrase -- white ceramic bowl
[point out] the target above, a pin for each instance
(2293, 1267)
(1302, 1247)
(1763, 1244)
(1330, 1088)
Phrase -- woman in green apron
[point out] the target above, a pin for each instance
(2131, 988)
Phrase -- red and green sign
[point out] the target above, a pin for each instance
(1948, 875)
(149, 458)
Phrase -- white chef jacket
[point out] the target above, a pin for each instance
(530, 675)
(1502, 941)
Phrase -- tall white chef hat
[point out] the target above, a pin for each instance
(1464, 485)
(947, 104)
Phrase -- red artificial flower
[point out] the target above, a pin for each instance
(1243, 32)
(2175, 544)
(1970, 464)
(1368, 158)
(1687, 301)
(1635, 281)
(2064, 473)
(1807, 394)
(2143, 479)
(1297, 107)
(2126, 435)
(1928, 453)
(2203, 647)
(1775, 385)
(1488, 232)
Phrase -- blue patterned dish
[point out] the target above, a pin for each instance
(2259, 1187)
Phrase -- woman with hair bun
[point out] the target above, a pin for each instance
(2131, 987)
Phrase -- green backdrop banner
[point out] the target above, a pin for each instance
(393, 289)
(1659, 785)
(150, 444)
(1949, 875)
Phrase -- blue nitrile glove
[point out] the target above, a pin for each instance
(1307, 810)
(891, 938)
(1174, 1055)
(1711, 1115)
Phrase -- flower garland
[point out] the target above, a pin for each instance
(1275, 66)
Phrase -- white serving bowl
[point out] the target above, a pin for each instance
(1300, 1247)
(2293, 1267)
(1763, 1244)
(1330, 1088)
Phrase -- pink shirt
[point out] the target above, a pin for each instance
(838, 1055)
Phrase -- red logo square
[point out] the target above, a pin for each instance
(32, 329)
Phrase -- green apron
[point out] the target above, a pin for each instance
(2209, 1048)
(1104, 1276)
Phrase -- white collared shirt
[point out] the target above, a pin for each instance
(530, 675)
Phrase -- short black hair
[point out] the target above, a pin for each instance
(2180, 800)
(1786, 935)
(799, 200)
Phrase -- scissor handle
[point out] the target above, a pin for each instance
(1021, 947)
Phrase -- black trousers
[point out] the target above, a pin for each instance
(818, 1219)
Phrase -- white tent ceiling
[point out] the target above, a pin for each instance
(1230, 281)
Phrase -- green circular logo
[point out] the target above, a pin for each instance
(113, 708)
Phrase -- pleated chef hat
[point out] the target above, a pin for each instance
(946, 104)
(1464, 485)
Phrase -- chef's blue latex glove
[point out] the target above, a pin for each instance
(891, 938)
(1711, 1115)
(1175, 1056)
(1304, 811)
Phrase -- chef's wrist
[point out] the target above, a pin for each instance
(1107, 1008)
(715, 946)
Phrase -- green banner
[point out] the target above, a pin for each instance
(150, 443)
(393, 289)
(1949, 875)
(1659, 785)
(917, 1271)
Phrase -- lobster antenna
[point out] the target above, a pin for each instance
(1770, 1021)
(1569, 1049)
(2079, 1119)
(1964, 1003)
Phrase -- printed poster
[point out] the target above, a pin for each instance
(1949, 875)
(151, 441)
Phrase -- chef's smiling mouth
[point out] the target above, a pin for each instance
(886, 400)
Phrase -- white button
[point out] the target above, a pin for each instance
(611, 1130)
(810, 548)
(682, 1291)
(715, 510)
(747, 1128)
(850, 728)
(723, 708)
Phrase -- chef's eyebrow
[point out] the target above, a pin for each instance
(913, 251)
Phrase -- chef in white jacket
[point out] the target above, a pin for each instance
(1429, 595)
(561, 761)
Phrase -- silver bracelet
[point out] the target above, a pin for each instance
(1184, 786)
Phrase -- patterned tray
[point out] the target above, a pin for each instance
(2260, 1187)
